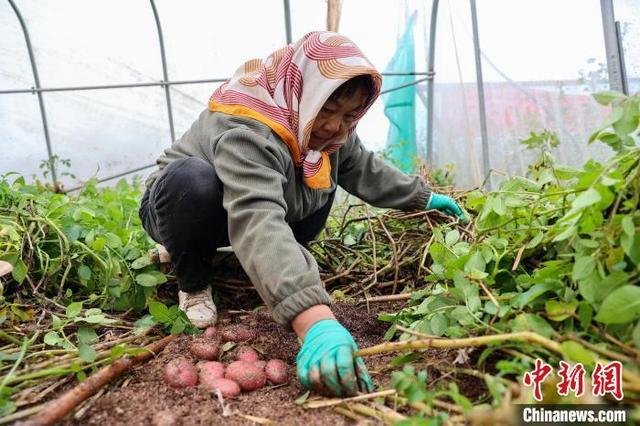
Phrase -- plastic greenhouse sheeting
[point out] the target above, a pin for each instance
(541, 61)
(533, 79)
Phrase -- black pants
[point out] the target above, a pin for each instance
(183, 211)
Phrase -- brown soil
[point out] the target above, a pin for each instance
(137, 397)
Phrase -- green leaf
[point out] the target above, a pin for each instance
(585, 314)
(438, 253)
(621, 306)
(533, 293)
(629, 121)
(405, 359)
(228, 346)
(159, 312)
(559, 311)
(636, 335)
(475, 200)
(452, 237)
(19, 271)
(87, 335)
(606, 97)
(497, 205)
(141, 262)
(496, 388)
(158, 276)
(178, 327)
(476, 261)
(570, 231)
(535, 240)
(84, 273)
(478, 275)
(6, 407)
(594, 288)
(582, 267)
(73, 309)
(98, 244)
(389, 333)
(627, 226)
(588, 198)
(348, 240)
(87, 353)
(96, 319)
(631, 247)
(531, 322)
(51, 338)
(117, 351)
(302, 398)
(112, 240)
(439, 324)
(146, 280)
(574, 351)
(8, 357)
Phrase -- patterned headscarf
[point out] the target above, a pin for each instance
(286, 91)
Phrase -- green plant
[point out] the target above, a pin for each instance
(173, 320)
(556, 253)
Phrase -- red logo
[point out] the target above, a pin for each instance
(571, 379)
(536, 377)
(605, 379)
(608, 379)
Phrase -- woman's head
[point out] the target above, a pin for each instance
(311, 93)
(341, 112)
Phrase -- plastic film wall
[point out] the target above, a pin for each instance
(541, 62)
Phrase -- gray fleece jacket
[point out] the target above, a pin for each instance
(263, 191)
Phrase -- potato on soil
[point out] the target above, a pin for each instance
(227, 387)
(210, 332)
(246, 353)
(260, 364)
(248, 376)
(237, 333)
(204, 350)
(180, 373)
(165, 418)
(276, 371)
(209, 371)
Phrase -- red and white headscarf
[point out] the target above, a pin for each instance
(286, 91)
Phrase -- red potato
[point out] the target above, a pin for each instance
(180, 373)
(246, 353)
(209, 372)
(248, 376)
(237, 333)
(227, 388)
(164, 418)
(204, 350)
(260, 364)
(210, 333)
(276, 371)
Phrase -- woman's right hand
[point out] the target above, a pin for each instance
(325, 362)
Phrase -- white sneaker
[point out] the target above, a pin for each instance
(199, 307)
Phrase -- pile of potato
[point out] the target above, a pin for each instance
(246, 373)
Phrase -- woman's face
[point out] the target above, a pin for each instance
(335, 119)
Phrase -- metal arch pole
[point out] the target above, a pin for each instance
(623, 66)
(287, 20)
(165, 75)
(43, 112)
(612, 47)
(431, 74)
(486, 163)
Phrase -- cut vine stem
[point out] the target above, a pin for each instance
(57, 409)
(632, 381)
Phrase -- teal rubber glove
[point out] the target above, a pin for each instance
(326, 364)
(446, 205)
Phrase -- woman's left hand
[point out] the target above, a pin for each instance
(446, 205)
